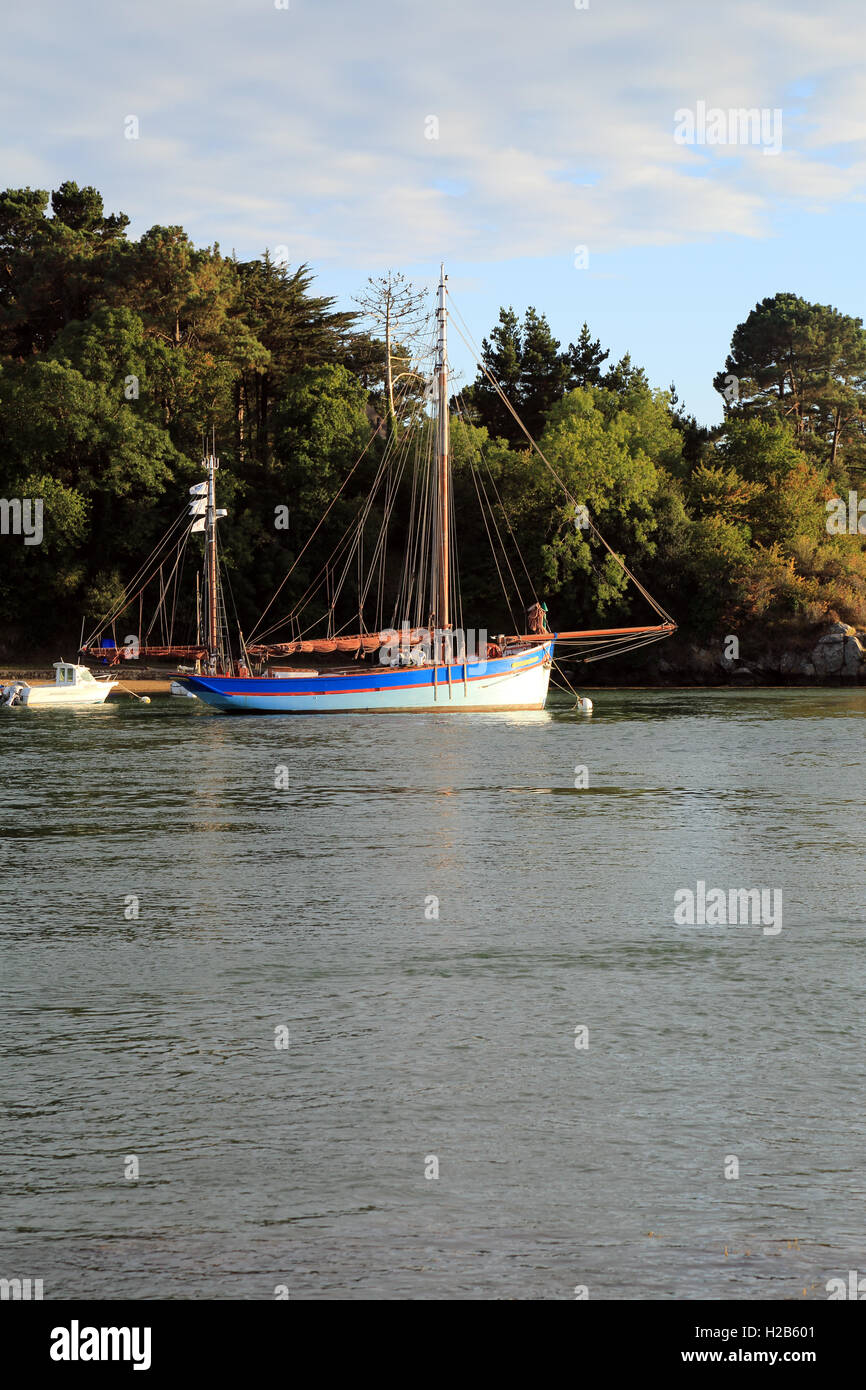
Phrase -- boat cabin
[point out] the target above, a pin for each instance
(66, 673)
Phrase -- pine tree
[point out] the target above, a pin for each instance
(584, 359)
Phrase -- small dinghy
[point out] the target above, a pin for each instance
(73, 685)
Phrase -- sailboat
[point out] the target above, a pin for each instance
(426, 661)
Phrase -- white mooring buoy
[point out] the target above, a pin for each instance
(584, 704)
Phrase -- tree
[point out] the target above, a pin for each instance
(524, 359)
(398, 310)
(502, 356)
(53, 269)
(789, 501)
(296, 330)
(799, 362)
(82, 210)
(623, 378)
(544, 371)
(585, 358)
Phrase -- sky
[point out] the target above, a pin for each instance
(551, 152)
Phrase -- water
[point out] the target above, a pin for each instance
(312, 908)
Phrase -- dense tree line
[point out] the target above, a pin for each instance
(117, 355)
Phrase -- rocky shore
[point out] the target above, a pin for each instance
(835, 655)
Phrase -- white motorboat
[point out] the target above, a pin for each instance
(73, 685)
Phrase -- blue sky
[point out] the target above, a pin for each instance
(308, 127)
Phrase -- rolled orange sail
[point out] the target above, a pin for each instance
(593, 632)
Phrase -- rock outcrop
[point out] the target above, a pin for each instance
(838, 652)
(837, 657)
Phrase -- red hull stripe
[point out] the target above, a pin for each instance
(278, 689)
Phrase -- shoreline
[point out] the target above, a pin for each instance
(159, 683)
(832, 656)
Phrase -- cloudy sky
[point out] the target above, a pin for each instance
(499, 136)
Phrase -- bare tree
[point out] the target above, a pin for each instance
(399, 309)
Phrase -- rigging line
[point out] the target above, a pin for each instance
(158, 610)
(391, 472)
(161, 545)
(313, 532)
(402, 588)
(458, 585)
(392, 486)
(421, 577)
(406, 579)
(465, 417)
(493, 548)
(180, 553)
(480, 481)
(598, 650)
(357, 533)
(600, 646)
(644, 642)
(486, 512)
(128, 597)
(504, 547)
(556, 666)
(510, 529)
(178, 582)
(225, 570)
(395, 473)
(498, 389)
(159, 604)
(126, 601)
(416, 552)
(353, 536)
(390, 495)
(346, 547)
(593, 636)
(348, 538)
(381, 545)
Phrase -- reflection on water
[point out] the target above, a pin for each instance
(432, 908)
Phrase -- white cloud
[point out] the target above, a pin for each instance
(307, 126)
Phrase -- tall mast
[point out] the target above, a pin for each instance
(443, 615)
(212, 464)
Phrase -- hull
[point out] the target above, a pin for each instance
(516, 682)
(76, 695)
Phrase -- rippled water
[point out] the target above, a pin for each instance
(311, 907)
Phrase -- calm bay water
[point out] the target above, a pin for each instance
(410, 1035)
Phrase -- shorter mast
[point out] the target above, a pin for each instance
(211, 464)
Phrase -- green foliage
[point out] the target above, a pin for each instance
(801, 363)
(118, 355)
(53, 569)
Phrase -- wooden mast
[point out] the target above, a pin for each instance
(212, 464)
(443, 616)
